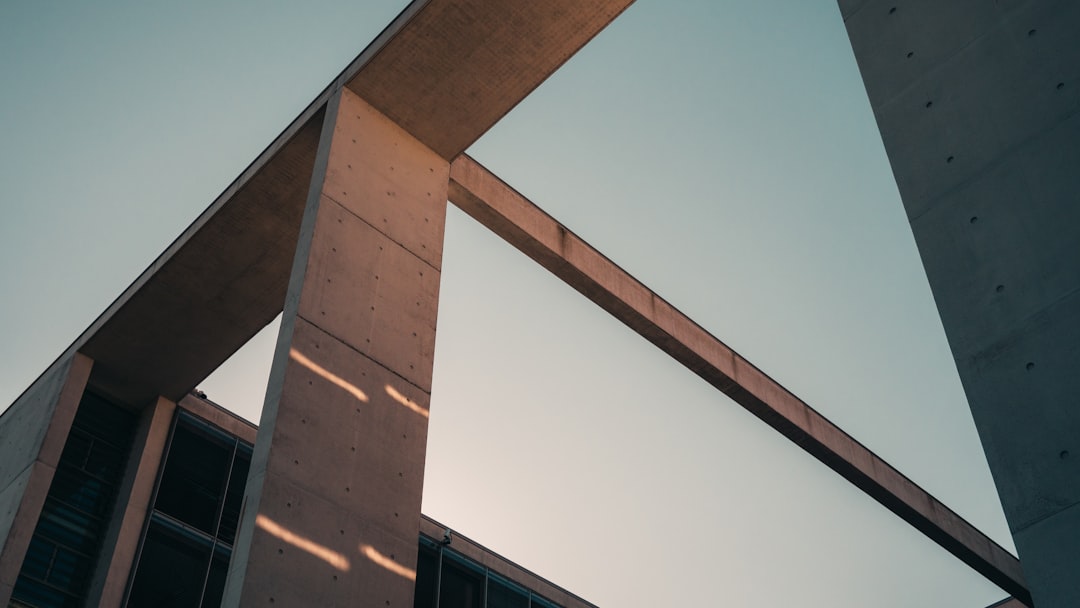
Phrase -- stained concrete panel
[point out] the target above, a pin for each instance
(332, 503)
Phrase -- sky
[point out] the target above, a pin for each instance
(721, 151)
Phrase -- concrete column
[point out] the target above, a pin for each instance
(977, 106)
(133, 502)
(32, 437)
(332, 504)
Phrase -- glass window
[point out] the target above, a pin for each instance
(460, 586)
(234, 495)
(215, 581)
(172, 568)
(427, 565)
(63, 550)
(184, 558)
(539, 602)
(504, 594)
(193, 482)
(459, 582)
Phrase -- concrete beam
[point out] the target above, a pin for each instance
(525, 226)
(460, 65)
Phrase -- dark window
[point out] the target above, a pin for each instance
(448, 579)
(460, 586)
(234, 495)
(63, 551)
(427, 565)
(539, 602)
(172, 567)
(193, 482)
(504, 594)
(215, 581)
(185, 553)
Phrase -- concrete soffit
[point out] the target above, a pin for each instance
(446, 71)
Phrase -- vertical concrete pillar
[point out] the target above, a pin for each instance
(133, 502)
(32, 437)
(332, 504)
(977, 106)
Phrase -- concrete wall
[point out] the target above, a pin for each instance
(977, 103)
(32, 436)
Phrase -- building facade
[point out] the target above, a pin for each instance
(180, 556)
(337, 226)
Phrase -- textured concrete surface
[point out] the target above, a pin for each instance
(508, 214)
(460, 65)
(332, 504)
(133, 503)
(447, 70)
(978, 103)
(32, 436)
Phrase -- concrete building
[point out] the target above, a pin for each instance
(977, 106)
(338, 227)
(143, 511)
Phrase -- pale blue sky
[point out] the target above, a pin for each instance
(723, 152)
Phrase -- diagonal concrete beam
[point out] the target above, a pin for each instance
(445, 70)
(460, 65)
(524, 225)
